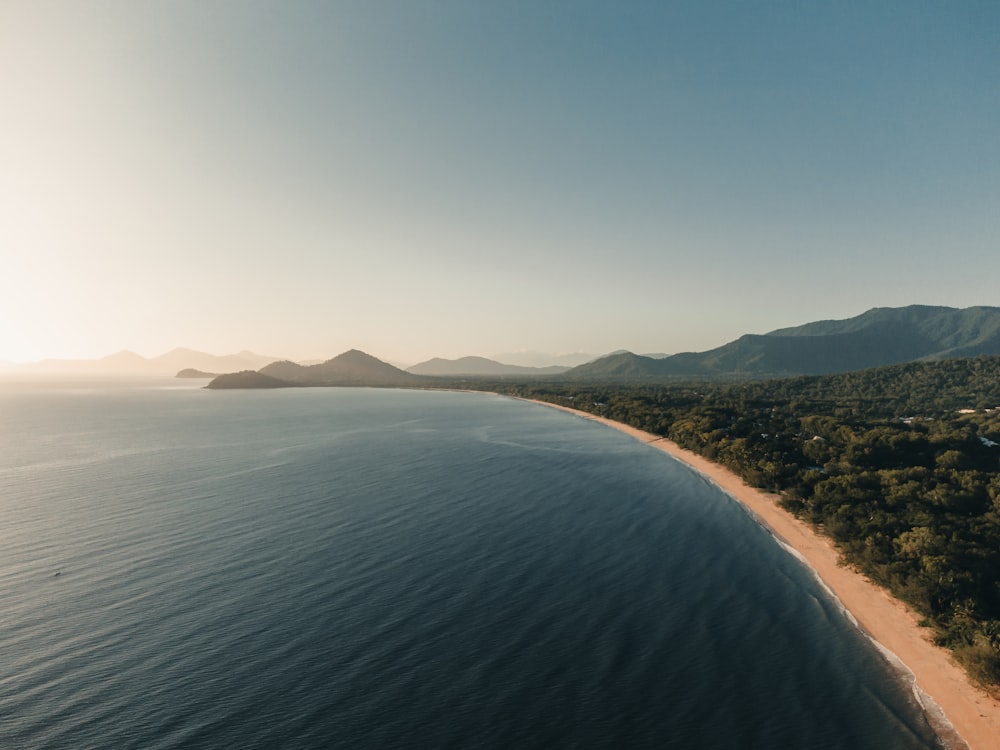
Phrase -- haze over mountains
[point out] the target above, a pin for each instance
(479, 366)
(130, 363)
(529, 358)
(176, 360)
(880, 336)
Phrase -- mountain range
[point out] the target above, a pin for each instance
(880, 336)
(356, 368)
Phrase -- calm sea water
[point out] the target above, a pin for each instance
(357, 568)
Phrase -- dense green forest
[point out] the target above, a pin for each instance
(899, 465)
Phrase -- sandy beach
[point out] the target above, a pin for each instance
(962, 714)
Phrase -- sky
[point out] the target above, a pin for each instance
(445, 178)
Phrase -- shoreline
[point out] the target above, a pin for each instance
(962, 715)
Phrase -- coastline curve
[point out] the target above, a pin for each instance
(962, 715)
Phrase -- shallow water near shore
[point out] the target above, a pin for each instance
(381, 568)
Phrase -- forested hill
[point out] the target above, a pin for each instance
(881, 336)
(352, 368)
(899, 465)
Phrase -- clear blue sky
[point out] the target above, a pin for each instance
(422, 178)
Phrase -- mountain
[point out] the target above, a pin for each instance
(543, 359)
(617, 366)
(130, 363)
(285, 370)
(478, 366)
(880, 336)
(189, 372)
(350, 368)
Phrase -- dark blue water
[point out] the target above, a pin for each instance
(357, 568)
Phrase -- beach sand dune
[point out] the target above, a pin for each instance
(963, 715)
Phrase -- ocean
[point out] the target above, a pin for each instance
(368, 568)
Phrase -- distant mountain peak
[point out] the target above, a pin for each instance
(531, 358)
(473, 366)
(353, 367)
(355, 354)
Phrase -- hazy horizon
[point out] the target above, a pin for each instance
(523, 357)
(443, 179)
(180, 358)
